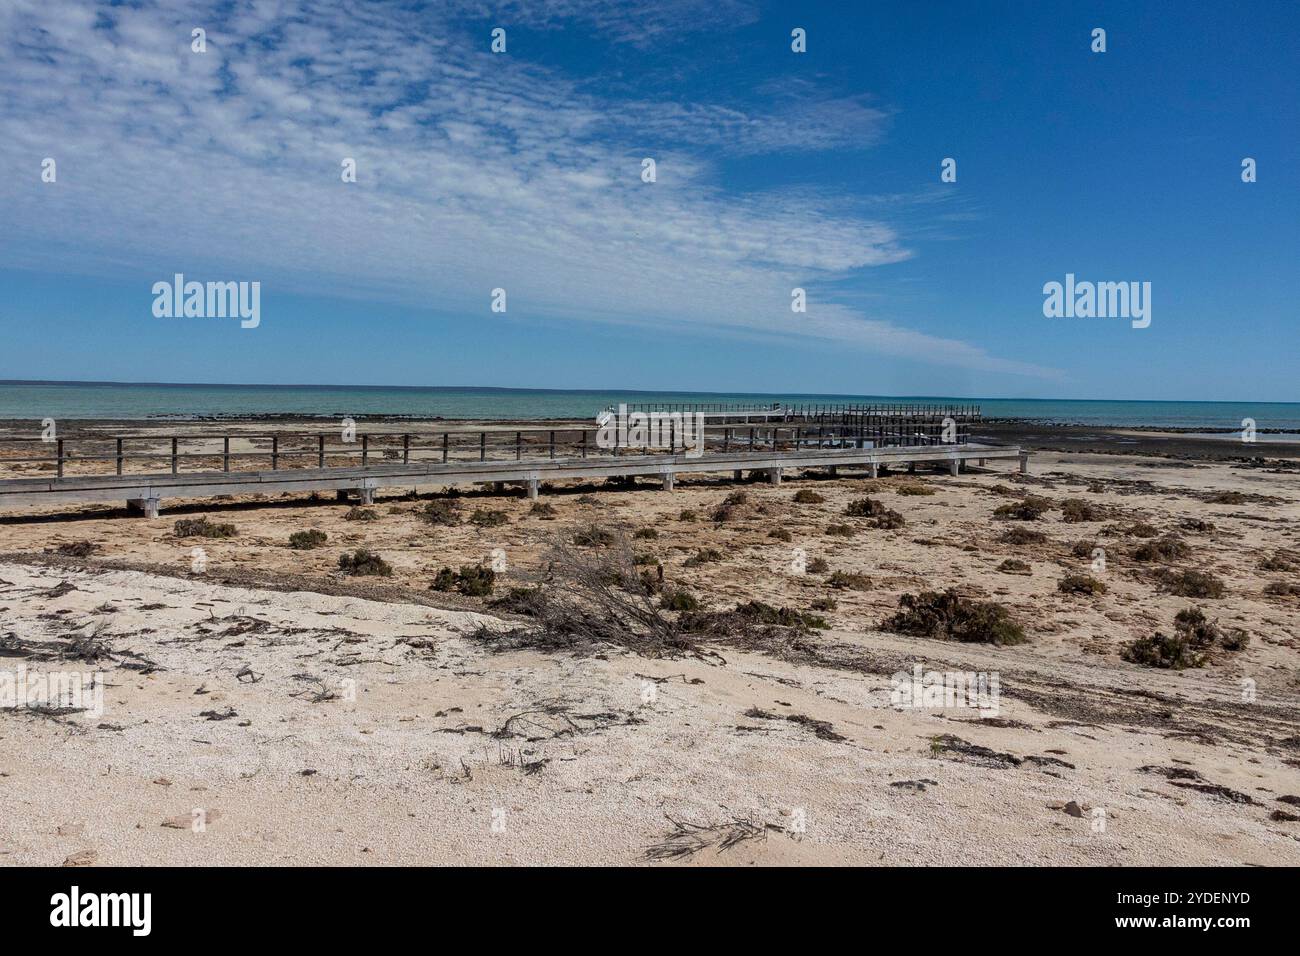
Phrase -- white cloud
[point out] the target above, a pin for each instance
(475, 171)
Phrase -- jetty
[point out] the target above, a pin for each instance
(146, 469)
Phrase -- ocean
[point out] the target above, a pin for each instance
(71, 400)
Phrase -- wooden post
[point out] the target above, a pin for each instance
(225, 453)
(406, 449)
(275, 452)
(519, 445)
(320, 451)
(445, 436)
(482, 446)
(584, 443)
(174, 443)
(119, 456)
(552, 444)
(365, 450)
(58, 456)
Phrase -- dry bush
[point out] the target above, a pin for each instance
(77, 549)
(780, 534)
(1029, 508)
(841, 530)
(1167, 548)
(882, 516)
(542, 509)
(849, 581)
(806, 496)
(915, 490)
(203, 528)
(1192, 645)
(1074, 510)
(679, 599)
(688, 515)
(1080, 584)
(361, 514)
(441, 511)
(704, 556)
(1023, 536)
(948, 616)
(1282, 589)
(1014, 566)
(824, 604)
(1134, 529)
(646, 534)
(472, 580)
(1192, 584)
(594, 536)
(1083, 549)
(486, 518)
(591, 599)
(363, 563)
(730, 506)
(307, 540)
(817, 566)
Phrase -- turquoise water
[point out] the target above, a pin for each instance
(66, 400)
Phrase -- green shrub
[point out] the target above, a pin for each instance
(1158, 650)
(785, 617)
(948, 616)
(362, 563)
(307, 540)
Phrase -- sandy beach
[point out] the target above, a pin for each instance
(304, 715)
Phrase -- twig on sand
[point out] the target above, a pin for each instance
(688, 838)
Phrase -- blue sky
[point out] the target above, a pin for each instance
(522, 171)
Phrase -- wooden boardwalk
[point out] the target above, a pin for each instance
(145, 492)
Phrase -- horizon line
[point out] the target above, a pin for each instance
(629, 391)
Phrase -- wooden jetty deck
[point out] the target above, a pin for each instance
(418, 469)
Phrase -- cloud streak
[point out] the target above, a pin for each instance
(475, 171)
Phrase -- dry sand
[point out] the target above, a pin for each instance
(433, 750)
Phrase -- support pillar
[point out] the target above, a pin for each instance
(911, 468)
(670, 480)
(1024, 462)
(341, 496)
(534, 487)
(954, 466)
(983, 462)
(367, 495)
(774, 476)
(833, 471)
(874, 470)
(148, 507)
(736, 475)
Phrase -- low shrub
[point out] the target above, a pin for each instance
(593, 536)
(1030, 508)
(1014, 566)
(485, 518)
(1023, 536)
(361, 514)
(841, 530)
(307, 540)
(1074, 510)
(441, 511)
(363, 563)
(1192, 584)
(1080, 584)
(472, 580)
(77, 549)
(1192, 645)
(849, 581)
(646, 534)
(203, 528)
(688, 515)
(948, 616)
(916, 490)
(542, 509)
(806, 496)
(824, 604)
(679, 600)
(704, 556)
(780, 534)
(817, 566)
(1167, 548)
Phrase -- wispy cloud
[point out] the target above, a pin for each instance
(475, 171)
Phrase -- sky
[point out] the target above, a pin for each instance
(522, 170)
